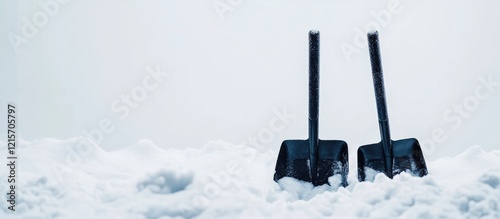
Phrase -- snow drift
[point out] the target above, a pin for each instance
(75, 178)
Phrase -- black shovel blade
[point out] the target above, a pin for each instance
(294, 161)
(407, 156)
(333, 159)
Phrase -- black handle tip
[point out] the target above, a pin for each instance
(372, 33)
(314, 32)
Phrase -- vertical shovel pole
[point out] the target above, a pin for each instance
(313, 101)
(378, 82)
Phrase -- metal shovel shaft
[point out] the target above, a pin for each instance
(378, 82)
(313, 101)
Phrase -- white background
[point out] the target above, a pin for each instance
(227, 75)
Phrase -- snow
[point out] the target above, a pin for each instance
(165, 182)
(370, 174)
(75, 178)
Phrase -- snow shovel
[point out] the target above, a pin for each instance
(387, 156)
(313, 160)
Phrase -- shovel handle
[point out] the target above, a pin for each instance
(313, 101)
(378, 82)
(378, 77)
(313, 74)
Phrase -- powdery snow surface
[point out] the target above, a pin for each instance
(75, 178)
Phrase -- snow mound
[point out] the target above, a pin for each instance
(165, 182)
(64, 150)
(466, 166)
(144, 147)
(59, 179)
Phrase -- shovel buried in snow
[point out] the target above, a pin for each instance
(313, 160)
(387, 156)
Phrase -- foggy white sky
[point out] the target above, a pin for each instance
(227, 75)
